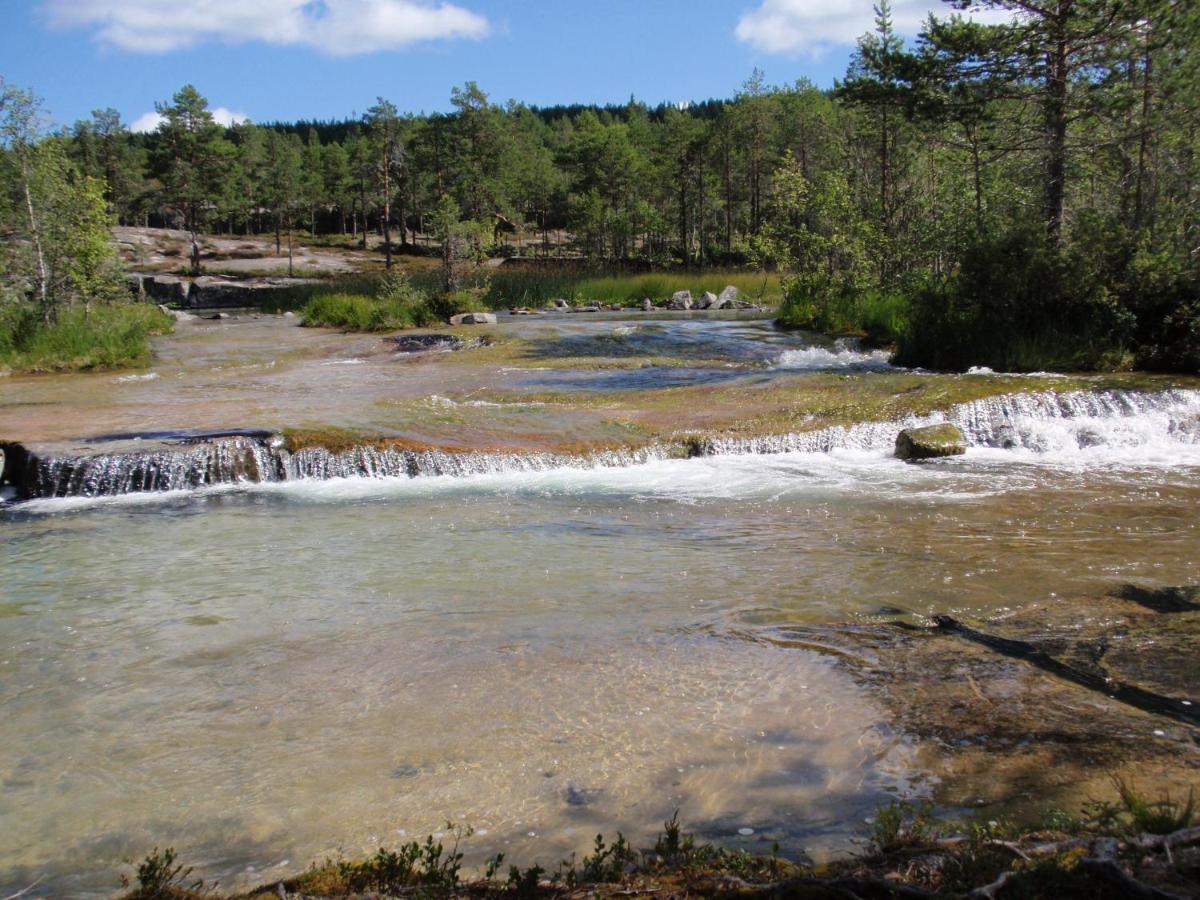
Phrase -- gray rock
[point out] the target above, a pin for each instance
(560, 303)
(930, 442)
(730, 295)
(580, 309)
(167, 289)
(647, 304)
(177, 314)
(474, 318)
(708, 300)
(574, 795)
(680, 300)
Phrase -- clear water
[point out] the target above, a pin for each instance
(263, 675)
(266, 675)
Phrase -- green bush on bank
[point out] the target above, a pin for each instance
(397, 303)
(882, 317)
(536, 287)
(1017, 305)
(111, 336)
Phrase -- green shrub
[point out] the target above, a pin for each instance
(900, 825)
(112, 336)
(1018, 305)
(880, 316)
(396, 304)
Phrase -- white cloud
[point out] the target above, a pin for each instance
(151, 120)
(336, 27)
(813, 27)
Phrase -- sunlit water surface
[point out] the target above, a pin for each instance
(262, 676)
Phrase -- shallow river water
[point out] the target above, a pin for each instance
(264, 675)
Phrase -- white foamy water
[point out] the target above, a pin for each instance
(373, 643)
(125, 379)
(842, 356)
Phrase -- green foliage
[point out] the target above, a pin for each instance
(1018, 305)
(159, 877)
(901, 825)
(429, 865)
(356, 312)
(1162, 816)
(524, 882)
(883, 318)
(606, 864)
(112, 336)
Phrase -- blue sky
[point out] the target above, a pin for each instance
(287, 59)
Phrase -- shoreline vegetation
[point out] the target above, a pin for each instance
(1133, 846)
(108, 336)
(1018, 195)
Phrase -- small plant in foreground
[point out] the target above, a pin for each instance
(1155, 816)
(901, 825)
(160, 877)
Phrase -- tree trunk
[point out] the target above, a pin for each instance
(1057, 74)
(35, 232)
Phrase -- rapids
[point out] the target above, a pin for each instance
(265, 657)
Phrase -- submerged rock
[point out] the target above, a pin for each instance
(931, 442)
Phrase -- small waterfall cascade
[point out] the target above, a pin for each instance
(1040, 422)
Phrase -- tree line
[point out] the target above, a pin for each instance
(1031, 183)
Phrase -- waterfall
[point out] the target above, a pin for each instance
(1034, 422)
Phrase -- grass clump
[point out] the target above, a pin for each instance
(529, 286)
(1135, 813)
(109, 336)
(160, 877)
(395, 305)
(881, 317)
(901, 825)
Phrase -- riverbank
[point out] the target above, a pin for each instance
(108, 336)
(1134, 847)
(710, 586)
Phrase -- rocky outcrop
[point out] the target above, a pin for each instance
(209, 291)
(931, 442)
(680, 300)
(474, 318)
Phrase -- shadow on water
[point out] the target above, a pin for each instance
(1161, 600)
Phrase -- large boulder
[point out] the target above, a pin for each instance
(706, 301)
(729, 296)
(474, 318)
(167, 289)
(930, 442)
(647, 304)
(680, 300)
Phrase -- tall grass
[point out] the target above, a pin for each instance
(518, 286)
(882, 317)
(112, 336)
(357, 312)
